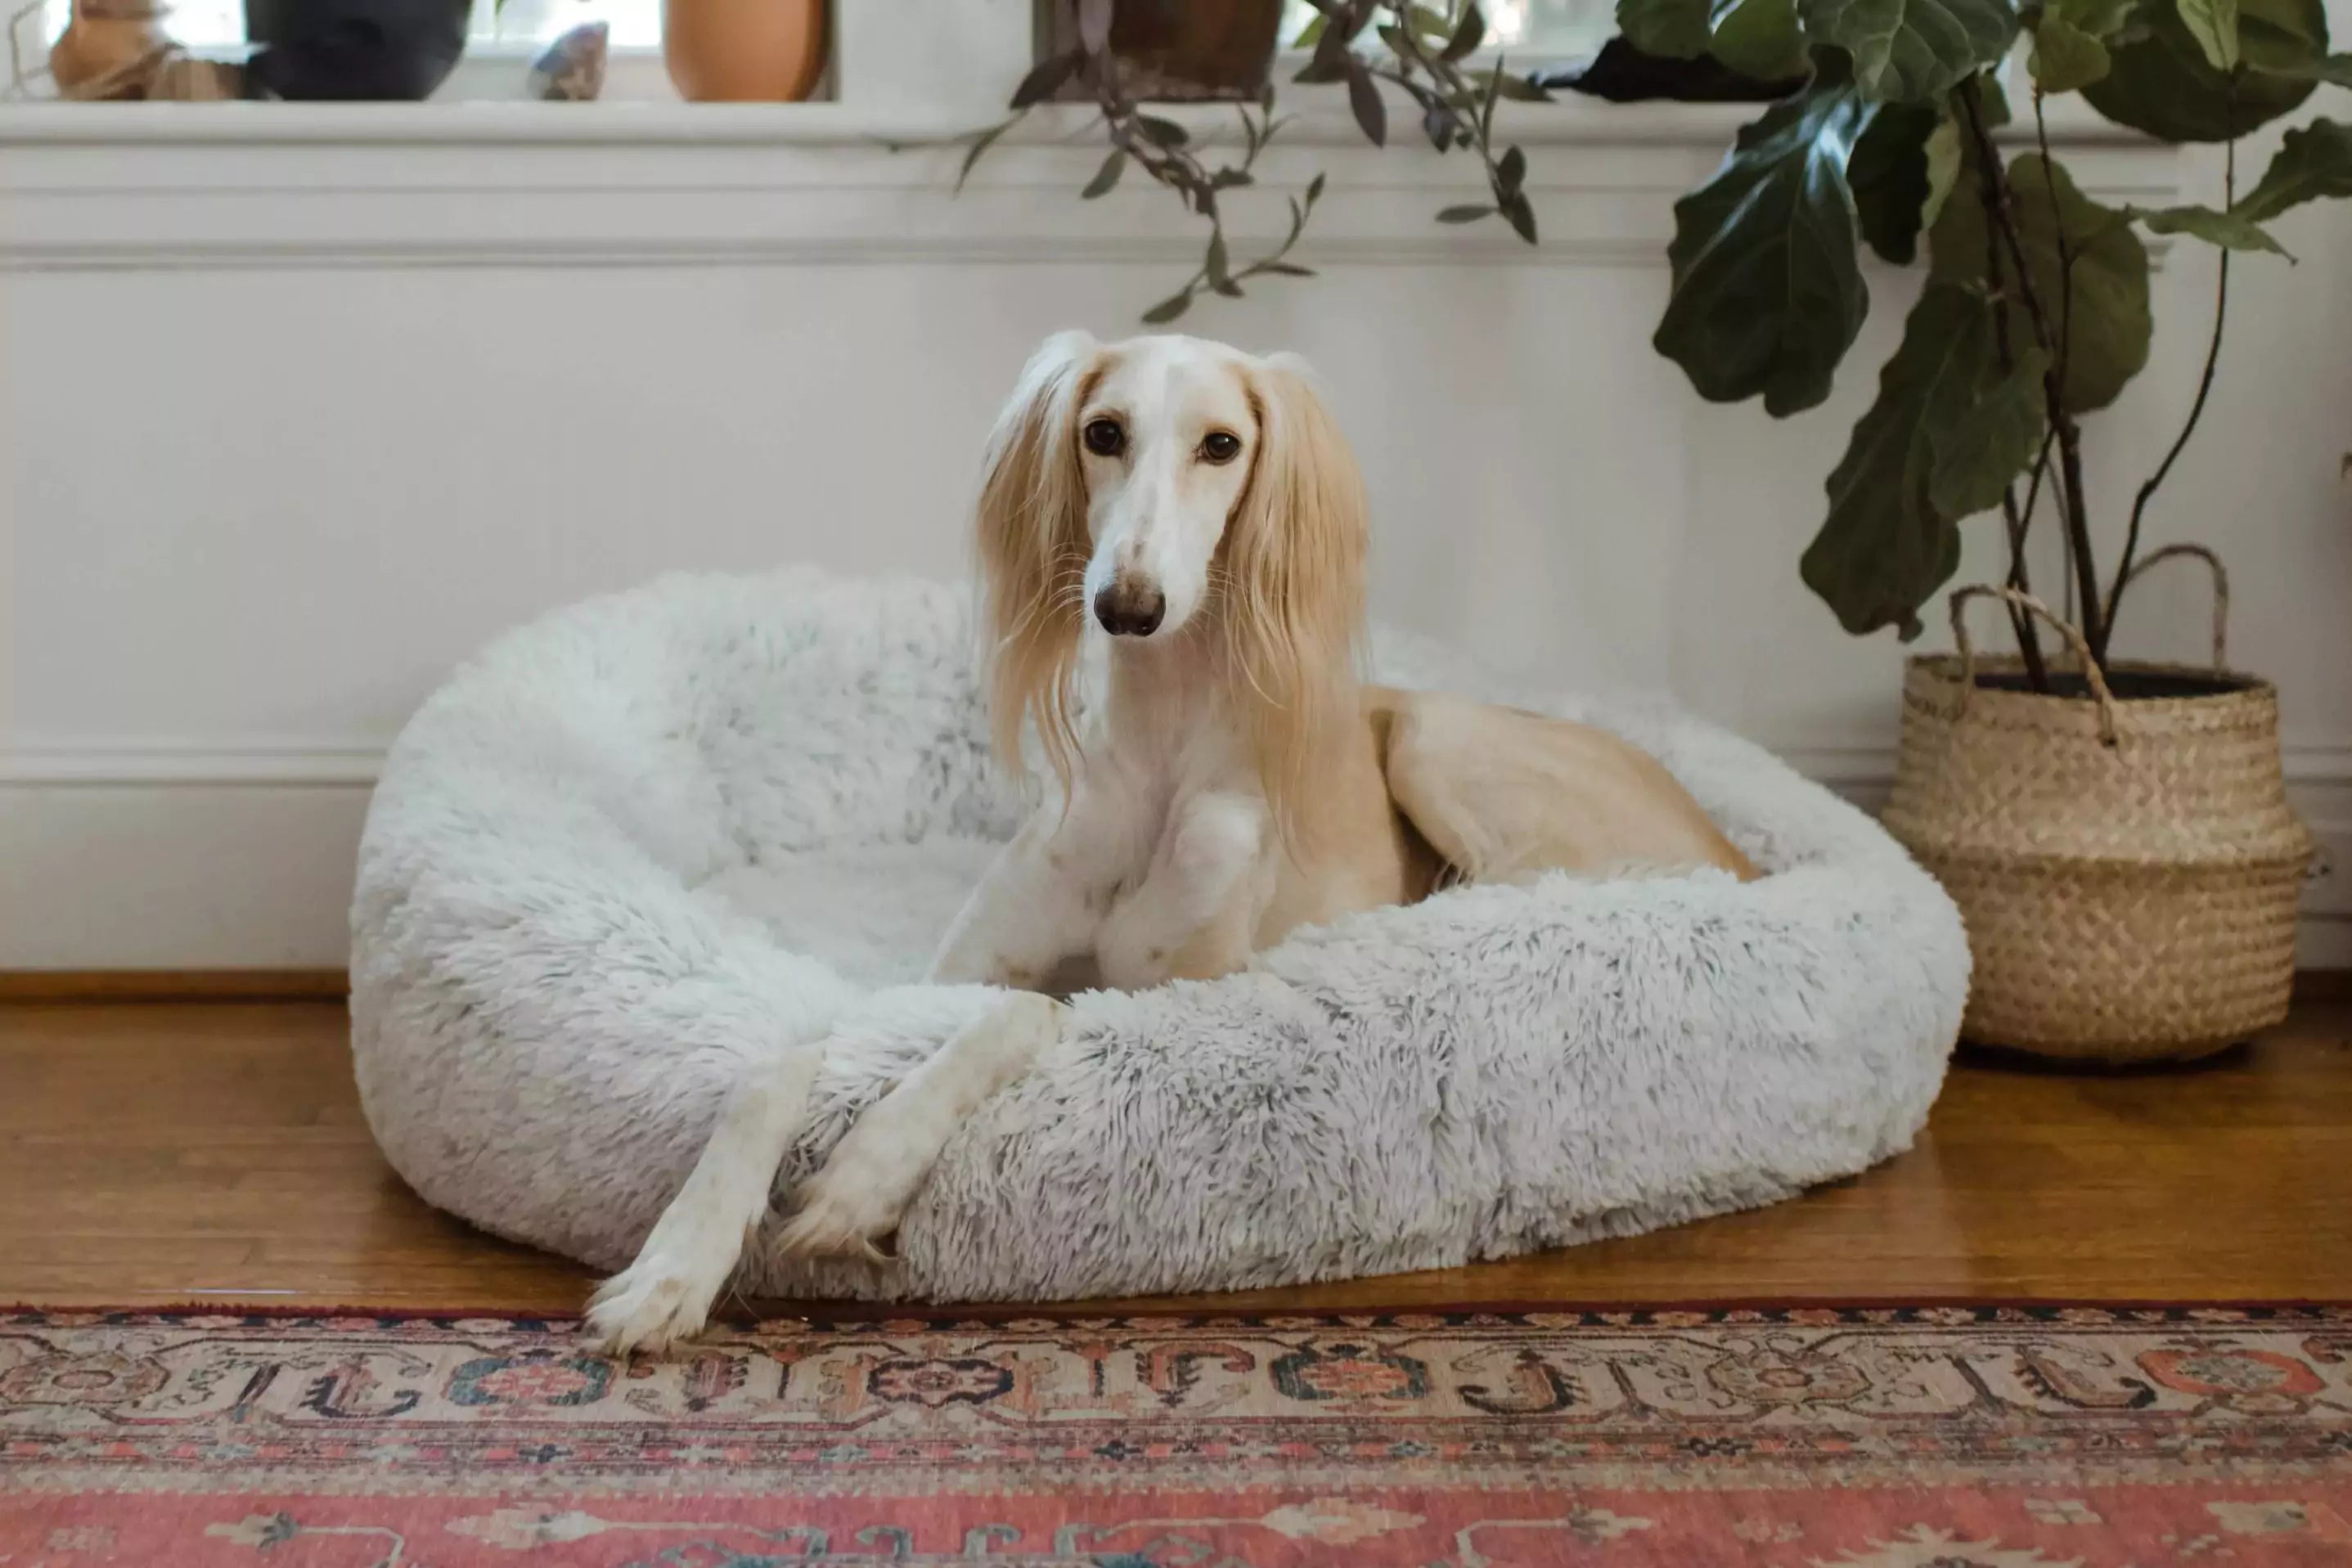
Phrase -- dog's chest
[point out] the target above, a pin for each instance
(1149, 785)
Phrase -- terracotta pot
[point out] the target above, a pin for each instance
(95, 55)
(1200, 49)
(743, 51)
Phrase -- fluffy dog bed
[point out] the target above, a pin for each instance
(635, 847)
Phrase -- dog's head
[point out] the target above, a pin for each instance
(1169, 487)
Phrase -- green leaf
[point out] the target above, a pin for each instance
(1428, 24)
(2163, 84)
(1309, 33)
(2066, 58)
(1168, 309)
(2231, 231)
(1767, 292)
(2334, 69)
(1943, 151)
(2110, 323)
(1467, 34)
(1108, 175)
(1889, 177)
(2214, 24)
(980, 144)
(1989, 444)
(1364, 98)
(1757, 39)
(1995, 98)
(1676, 29)
(1913, 51)
(1313, 191)
(1166, 132)
(1463, 214)
(1519, 214)
(1046, 77)
(1886, 546)
(1510, 85)
(2314, 160)
(1511, 170)
(2102, 19)
(1287, 269)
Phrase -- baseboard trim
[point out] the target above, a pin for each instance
(2323, 986)
(20, 985)
(91, 986)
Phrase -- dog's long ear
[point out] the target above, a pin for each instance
(1032, 540)
(1295, 574)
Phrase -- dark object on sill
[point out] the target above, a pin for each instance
(1623, 74)
(571, 68)
(352, 50)
(1177, 51)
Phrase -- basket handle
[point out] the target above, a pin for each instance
(2220, 593)
(2027, 603)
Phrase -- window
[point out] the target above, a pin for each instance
(220, 23)
(1536, 28)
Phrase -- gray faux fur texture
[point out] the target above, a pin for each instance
(634, 849)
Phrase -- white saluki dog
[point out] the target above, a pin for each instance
(1198, 506)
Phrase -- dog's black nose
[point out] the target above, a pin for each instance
(1129, 609)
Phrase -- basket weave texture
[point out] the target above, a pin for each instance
(2128, 870)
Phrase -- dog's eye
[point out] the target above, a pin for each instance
(1105, 437)
(1221, 446)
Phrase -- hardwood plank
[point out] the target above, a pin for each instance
(172, 985)
(164, 1153)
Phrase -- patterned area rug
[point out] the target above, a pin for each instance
(1928, 1437)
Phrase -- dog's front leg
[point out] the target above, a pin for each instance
(665, 1294)
(855, 1200)
(1195, 915)
(1039, 904)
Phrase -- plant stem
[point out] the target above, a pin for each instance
(2196, 409)
(2000, 217)
(2066, 249)
(2022, 626)
(2000, 214)
(2029, 642)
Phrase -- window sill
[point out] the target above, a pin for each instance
(482, 103)
(614, 183)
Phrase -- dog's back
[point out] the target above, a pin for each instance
(1501, 794)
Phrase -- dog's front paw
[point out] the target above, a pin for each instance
(665, 1296)
(642, 1308)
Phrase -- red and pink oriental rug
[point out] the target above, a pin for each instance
(1858, 1438)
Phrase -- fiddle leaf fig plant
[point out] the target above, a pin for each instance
(2035, 309)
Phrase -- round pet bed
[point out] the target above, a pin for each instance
(633, 850)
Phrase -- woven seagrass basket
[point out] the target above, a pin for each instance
(2128, 866)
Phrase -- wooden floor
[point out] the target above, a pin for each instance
(163, 1153)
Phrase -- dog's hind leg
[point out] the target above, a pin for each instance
(873, 1173)
(1504, 795)
(666, 1294)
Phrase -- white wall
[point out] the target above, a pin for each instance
(300, 411)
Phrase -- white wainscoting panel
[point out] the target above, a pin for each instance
(304, 404)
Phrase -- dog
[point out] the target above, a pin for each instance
(1197, 508)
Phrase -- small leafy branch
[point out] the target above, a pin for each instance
(1428, 53)
(2036, 307)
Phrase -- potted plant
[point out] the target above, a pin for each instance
(2115, 832)
(1423, 54)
